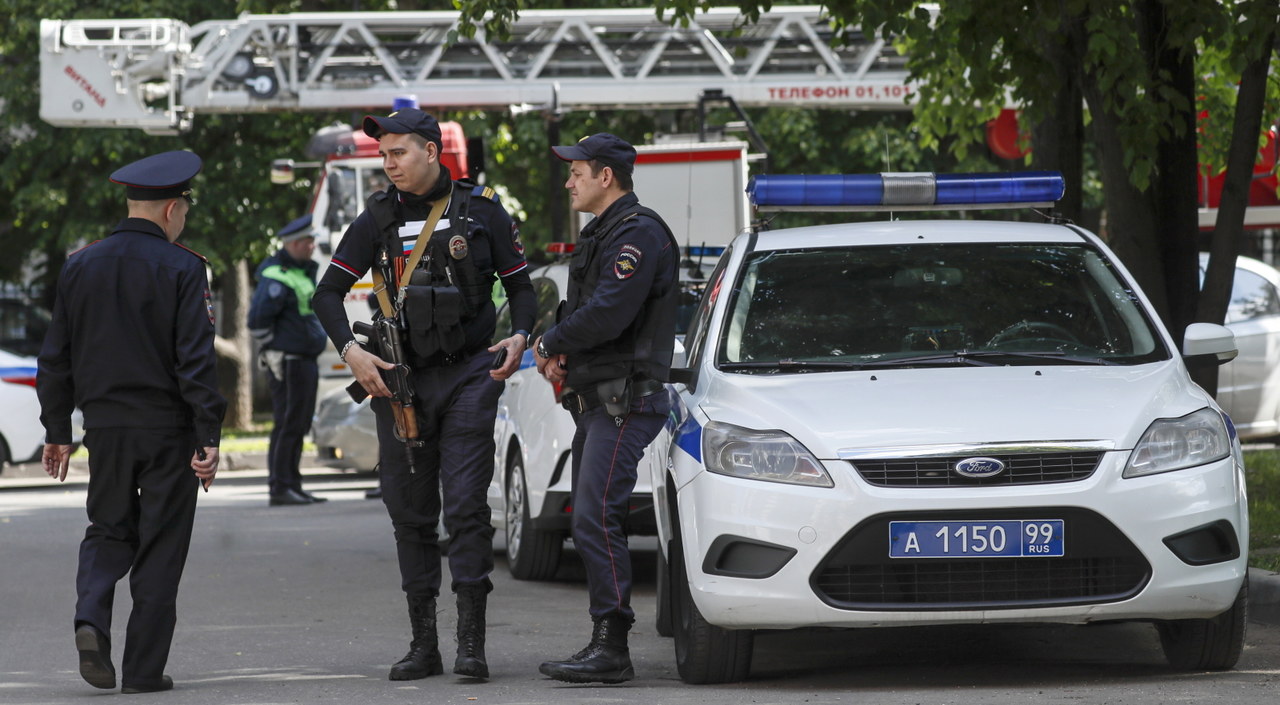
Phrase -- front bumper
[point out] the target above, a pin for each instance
(1117, 566)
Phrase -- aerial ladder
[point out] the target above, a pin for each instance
(158, 74)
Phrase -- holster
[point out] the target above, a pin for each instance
(615, 395)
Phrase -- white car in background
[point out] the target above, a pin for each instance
(1249, 387)
(21, 433)
(958, 421)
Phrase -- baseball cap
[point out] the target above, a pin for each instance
(610, 150)
(403, 122)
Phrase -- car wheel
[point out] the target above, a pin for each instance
(1212, 644)
(531, 554)
(662, 622)
(704, 653)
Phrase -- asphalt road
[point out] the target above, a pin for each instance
(302, 605)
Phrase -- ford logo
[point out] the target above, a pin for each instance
(979, 467)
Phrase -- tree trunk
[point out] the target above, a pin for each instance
(1129, 226)
(233, 347)
(1058, 139)
(1228, 231)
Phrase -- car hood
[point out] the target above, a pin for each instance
(831, 411)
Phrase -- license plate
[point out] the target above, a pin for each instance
(1018, 538)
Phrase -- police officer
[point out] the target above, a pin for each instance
(449, 316)
(612, 347)
(291, 338)
(131, 343)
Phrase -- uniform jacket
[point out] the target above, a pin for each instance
(280, 315)
(492, 243)
(619, 318)
(131, 341)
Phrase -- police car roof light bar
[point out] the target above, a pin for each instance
(905, 191)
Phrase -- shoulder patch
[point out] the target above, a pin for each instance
(197, 254)
(485, 192)
(628, 261)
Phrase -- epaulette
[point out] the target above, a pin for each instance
(197, 254)
(485, 192)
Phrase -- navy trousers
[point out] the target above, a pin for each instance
(293, 403)
(457, 405)
(141, 506)
(606, 455)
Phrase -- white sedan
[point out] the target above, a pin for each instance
(21, 434)
(1249, 387)
(920, 422)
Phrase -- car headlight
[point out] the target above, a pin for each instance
(771, 456)
(1173, 444)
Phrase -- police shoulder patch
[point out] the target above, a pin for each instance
(515, 238)
(485, 192)
(628, 261)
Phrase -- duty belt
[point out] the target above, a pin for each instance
(588, 399)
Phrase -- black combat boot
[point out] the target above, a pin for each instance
(423, 658)
(605, 660)
(471, 603)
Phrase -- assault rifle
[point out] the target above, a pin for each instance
(385, 340)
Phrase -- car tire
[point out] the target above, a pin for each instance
(662, 622)
(704, 653)
(1212, 644)
(531, 554)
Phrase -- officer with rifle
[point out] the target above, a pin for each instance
(435, 246)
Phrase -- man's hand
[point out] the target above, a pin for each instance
(206, 468)
(55, 459)
(365, 365)
(553, 368)
(515, 351)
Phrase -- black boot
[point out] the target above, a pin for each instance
(423, 658)
(471, 603)
(605, 660)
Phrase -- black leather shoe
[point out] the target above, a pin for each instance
(95, 657)
(166, 683)
(315, 499)
(288, 497)
(375, 493)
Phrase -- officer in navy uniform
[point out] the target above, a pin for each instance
(450, 319)
(131, 344)
(291, 338)
(612, 347)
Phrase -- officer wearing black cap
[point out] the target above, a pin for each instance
(290, 339)
(612, 348)
(449, 316)
(131, 344)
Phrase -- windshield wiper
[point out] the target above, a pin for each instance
(988, 358)
(788, 364)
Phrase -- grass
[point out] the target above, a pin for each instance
(1262, 475)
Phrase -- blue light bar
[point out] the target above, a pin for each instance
(905, 191)
(703, 251)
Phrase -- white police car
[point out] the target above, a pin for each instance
(942, 422)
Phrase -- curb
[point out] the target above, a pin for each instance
(1264, 596)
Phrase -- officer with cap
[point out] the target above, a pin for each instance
(436, 246)
(131, 344)
(290, 339)
(612, 347)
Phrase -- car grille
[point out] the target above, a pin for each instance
(1099, 565)
(1020, 469)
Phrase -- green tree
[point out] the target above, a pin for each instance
(1139, 67)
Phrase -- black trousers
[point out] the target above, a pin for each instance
(293, 403)
(141, 506)
(457, 405)
(606, 456)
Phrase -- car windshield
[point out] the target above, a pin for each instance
(933, 305)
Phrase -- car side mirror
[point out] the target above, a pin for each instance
(682, 375)
(1204, 340)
